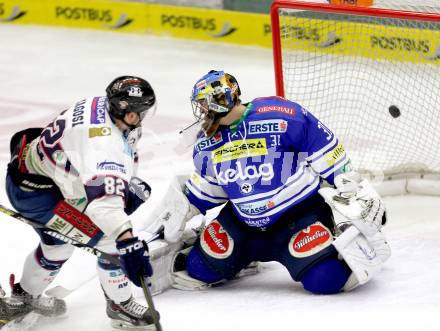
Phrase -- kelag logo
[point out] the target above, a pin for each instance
(210, 25)
(93, 15)
(12, 15)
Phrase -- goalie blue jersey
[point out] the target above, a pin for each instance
(271, 159)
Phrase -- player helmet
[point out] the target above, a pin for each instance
(213, 96)
(130, 94)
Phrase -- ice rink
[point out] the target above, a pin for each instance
(44, 70)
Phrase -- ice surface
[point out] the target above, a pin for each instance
(44, 70)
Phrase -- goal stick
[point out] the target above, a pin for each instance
(111, 258)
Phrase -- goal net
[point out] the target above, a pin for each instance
(372, 75)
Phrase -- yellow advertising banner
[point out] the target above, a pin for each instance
(97, 14)
(211, 25)
(173, 21)
(414, 42)
(418, 43)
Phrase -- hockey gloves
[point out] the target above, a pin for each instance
(139, 192)
(135, 260)
(357, 201)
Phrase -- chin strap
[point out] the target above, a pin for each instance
(130, 127)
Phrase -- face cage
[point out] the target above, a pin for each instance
(207, 108)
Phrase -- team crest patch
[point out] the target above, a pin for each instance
(311, 240)
(99, 132)
(206, 143)
(216, 242)
(99, 108)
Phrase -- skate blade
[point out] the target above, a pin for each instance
(126, 326)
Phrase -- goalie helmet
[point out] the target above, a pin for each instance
(213, 96)
(130, 94)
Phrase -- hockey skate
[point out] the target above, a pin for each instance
(46, 306)
(11, 309)
(129, 315)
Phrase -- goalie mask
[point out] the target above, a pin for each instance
(130, 94)
(213, 96)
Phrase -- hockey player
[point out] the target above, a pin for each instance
(265, 161)
(86, 160)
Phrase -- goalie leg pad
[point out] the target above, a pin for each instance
(326, 277)
(363, 255)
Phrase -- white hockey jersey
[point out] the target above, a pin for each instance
(90, 160)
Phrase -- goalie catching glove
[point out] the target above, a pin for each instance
(357, 201)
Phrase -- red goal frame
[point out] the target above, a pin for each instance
(328, 8)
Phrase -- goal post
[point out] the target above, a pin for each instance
(372, 75)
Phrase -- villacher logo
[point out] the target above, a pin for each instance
(14, 15)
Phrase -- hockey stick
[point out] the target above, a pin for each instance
(111, 258)
(150, 303)
(61, 292)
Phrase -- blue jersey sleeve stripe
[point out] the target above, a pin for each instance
(323, 151)
(334, 167)
(204, 196)
(201, 205)
(209, 190)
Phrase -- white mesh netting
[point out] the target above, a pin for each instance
(375, 81)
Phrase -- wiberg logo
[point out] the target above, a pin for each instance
(369, 252)
(15, 14)
(263, 171)
(111, 166)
